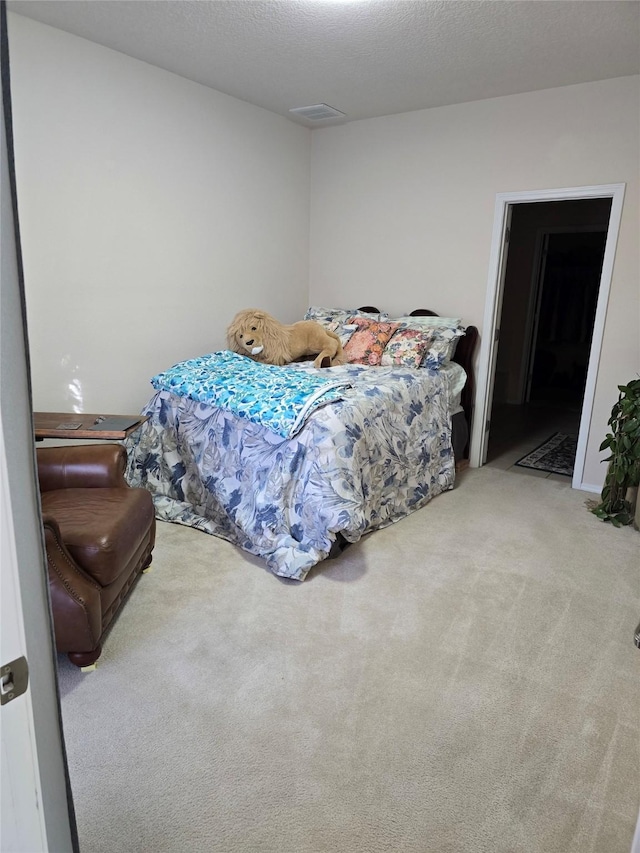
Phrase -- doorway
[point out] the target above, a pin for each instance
(496, 332)
(551, 285)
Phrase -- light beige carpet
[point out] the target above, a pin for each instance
(465, 680)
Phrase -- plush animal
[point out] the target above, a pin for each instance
(256, 333)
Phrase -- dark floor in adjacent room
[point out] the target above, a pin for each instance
(517, 430)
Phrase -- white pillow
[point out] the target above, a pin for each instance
(420, 322)
(342, 330)
(324, 316)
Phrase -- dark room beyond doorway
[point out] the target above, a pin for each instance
(552, 280)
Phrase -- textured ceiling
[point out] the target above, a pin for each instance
(367, 57)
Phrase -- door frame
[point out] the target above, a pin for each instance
(493, 308)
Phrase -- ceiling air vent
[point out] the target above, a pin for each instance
(317, 112)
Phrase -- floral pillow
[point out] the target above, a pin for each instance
(444, 343)
(406, 348)
(426, 347)
(367, 343)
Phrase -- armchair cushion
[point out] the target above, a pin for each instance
(100, 526)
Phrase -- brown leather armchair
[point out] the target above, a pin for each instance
(99, 535)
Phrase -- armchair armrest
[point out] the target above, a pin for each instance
(85, 466)
(74, 595)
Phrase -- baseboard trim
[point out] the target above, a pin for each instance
(589, 487)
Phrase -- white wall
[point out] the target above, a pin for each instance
(152, 209)
(402, 207)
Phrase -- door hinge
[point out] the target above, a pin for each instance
(496, 337)
(507, 235)
(14, 678)
(486, 426)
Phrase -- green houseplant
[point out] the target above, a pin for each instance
(617, 499)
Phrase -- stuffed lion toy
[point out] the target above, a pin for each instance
(260, 336)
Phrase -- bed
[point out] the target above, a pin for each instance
(366, 443)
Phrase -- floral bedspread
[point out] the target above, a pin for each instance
(361, 463)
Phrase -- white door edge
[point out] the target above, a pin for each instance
(487, 338)
(617, 199)
(23, 826)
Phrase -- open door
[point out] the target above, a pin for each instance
(22, 823)
(37, 808)
(494, 340)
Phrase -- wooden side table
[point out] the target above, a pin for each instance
(93, 426)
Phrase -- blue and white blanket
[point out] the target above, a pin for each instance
(358, 464)
(278, 399)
